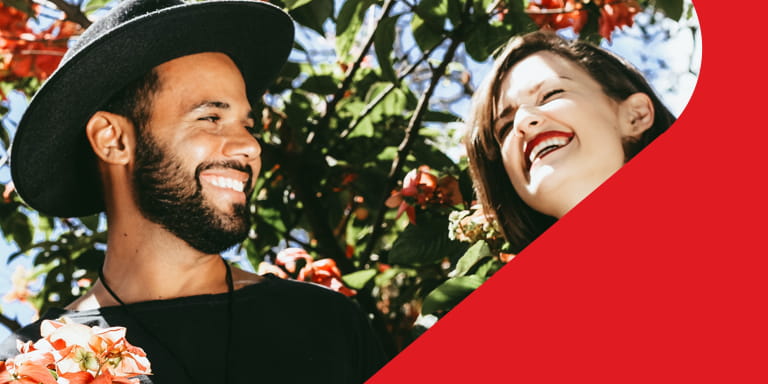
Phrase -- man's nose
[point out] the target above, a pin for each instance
(241, 144)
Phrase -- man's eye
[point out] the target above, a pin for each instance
(212, 119)
(551, 94)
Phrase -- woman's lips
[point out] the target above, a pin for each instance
(545, 143)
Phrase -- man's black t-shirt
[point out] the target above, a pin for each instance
(282, 332)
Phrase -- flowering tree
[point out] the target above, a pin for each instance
(357, 192)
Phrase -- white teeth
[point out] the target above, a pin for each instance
(538, 150)
(225, 182)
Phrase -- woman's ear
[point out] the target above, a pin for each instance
(637, 115)
(110, 136)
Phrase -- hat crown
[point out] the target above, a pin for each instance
(123, 12)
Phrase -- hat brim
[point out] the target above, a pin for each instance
(52, 165)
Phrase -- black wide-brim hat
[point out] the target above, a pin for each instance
(52, 165)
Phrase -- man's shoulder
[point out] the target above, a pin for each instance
(292, 292)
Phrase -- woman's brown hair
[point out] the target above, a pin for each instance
(520, 223)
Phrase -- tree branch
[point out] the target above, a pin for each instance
(347, 82)
(369, 108)
(411, 134)
(72, 13)
(9, 323)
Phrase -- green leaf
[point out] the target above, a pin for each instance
(488, 268)
(358, 280)
(393, 104)
(428, 23)
(95, 5)
(91, 222)
(364, 128)
(313, 14)
(441, 117)
(449, 294)
(673, 9)
(388, 154)
(483, 39)
(426, 36)
(454, 10)
(293, 4)
(382, 44)
(21, 5)
(348, 25)
(425, 243)
(18, 227)
(385, 277)
(322, 85)
(474, 254)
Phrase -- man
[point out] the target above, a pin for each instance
(149, 118)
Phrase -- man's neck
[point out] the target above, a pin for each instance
(146, 262)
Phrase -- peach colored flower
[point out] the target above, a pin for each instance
(7, 191)
(20, 280)
(266, 267)
(288, 258)
(76, 354)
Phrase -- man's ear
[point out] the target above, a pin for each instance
(637, 115)
(111, 137)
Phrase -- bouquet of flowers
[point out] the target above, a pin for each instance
(71, 353)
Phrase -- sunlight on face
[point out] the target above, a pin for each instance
(560, 134)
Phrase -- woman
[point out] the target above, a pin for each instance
(552, 121)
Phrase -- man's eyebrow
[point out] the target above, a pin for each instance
(209, 104)
(220, 105)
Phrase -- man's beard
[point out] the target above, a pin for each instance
(168, 195)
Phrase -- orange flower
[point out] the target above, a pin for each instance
(328, 274)
(26, 372)
(20, 280)
(324, 271)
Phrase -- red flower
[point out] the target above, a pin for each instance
(559, 14)
(616, 14)
(323, 271)
(25, 52)
(420, 188)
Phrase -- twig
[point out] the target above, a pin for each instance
(9, 323)
(411, 133)
(369, 108)
(72, 13)
(347, 82)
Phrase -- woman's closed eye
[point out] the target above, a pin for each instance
(504, 130)
(551, 94)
